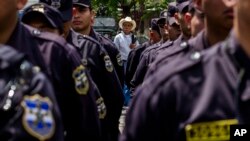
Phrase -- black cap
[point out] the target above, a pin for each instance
(154, 25)
(182, 4)
(172, 9)
(52, 15)
(84, 3)
(162, 17)
(64, 6)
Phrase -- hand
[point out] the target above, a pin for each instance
(131, 46)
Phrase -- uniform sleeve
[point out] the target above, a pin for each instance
(139, 73)
(41, 86)
(76, 95)
(117, 62)
(151, 116)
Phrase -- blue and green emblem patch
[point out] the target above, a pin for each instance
(37, 119)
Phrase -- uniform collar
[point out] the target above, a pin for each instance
(93, 34)
(75, 38)
(199, 42)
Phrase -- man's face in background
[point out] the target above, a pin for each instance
(83, 18)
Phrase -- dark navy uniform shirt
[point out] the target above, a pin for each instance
(133, 61)
(148, 58)
(73, 86)
(198, 43)
(142, 67)
(199, 96)
(29, 110)
(113, 52)
(98, 62)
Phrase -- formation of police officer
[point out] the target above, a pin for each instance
(199, 87)
(74, 89)
(94, 58)
(189, 82)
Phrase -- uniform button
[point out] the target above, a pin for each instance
(36, 69)
(36, 32)
(184, 44)
(195, 56)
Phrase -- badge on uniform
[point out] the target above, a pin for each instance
(119, 59)
(38, 8)
(37, 118)
(101, 108)
(56, 3)
(81, 80)
(108, 63)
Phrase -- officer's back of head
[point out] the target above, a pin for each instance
(155, 33)
(43, 17)
(66, 9)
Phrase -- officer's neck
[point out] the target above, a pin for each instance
(215, 35)
(6, 31)
(85, 31)
(242, 31)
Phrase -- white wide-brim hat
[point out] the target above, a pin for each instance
(129, 20)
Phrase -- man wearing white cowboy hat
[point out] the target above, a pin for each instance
(125, 41)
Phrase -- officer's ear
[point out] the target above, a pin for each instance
(177, 18)
(92, 12)
(187, 18)
(21, 4)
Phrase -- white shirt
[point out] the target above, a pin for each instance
(123, 42)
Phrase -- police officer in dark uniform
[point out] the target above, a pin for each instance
(28, 108)
(61, 63)
(87, 29)
(134, 54)
(99, 57)
(208, 37)
(202, 94)
(47, 18)
(149, 54)
(96, 59)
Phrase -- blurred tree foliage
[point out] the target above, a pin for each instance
(137, 9)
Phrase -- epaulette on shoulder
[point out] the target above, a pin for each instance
(88, 38)
(46, 36)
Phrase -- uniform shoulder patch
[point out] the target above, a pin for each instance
(86, 37)
(108, 64)
(119, 59)
(81, 80)
(102, 111)
(38, 119)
